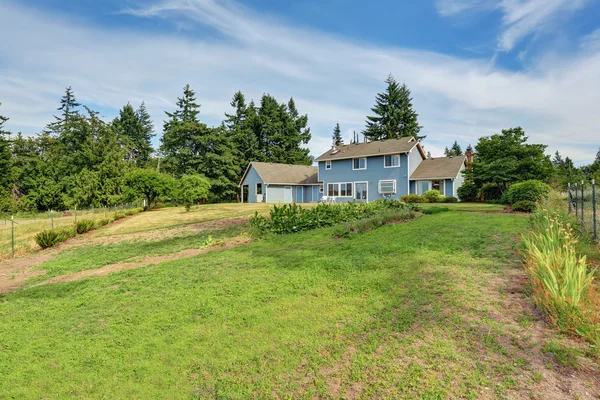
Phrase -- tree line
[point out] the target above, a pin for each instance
(80, 160)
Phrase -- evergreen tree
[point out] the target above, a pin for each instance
(428, 155)
(135, 131)
(595, 167)
(187, 110)
(5, 159)
(453, 151)
(68, 106)
(145, 135)
(557, 161)
(337, 135)
(469, 149)
(240, 129)
(394, 115)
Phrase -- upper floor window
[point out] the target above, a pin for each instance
(392, 161)
(327, 164)
(359, 163)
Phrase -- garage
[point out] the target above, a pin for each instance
(279, 194)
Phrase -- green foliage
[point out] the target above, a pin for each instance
(104, 221)
(560, 278)
(491, 191)
(414, 198)
(337, 135)
(506, 158)
(531, 190)
(435, 210)
(51, 237)
(383, 217)
(433, 196)
(135, 130)
(449, 199)
(148, 185)
(394, 115)
(454, 151)
(292, 218)
(85, 225)
(193, 188)
(118, 215)
(524, 205)
(468, 192)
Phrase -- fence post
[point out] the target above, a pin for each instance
(594, 209)
(569, 197)
(576, 202)
(51, 220)
(582, 203)
(75, 214)
(12, 220)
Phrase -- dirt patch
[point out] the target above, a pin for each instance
(144, 262)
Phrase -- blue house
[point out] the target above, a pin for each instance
(362, 172)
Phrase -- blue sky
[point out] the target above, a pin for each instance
(474, 66)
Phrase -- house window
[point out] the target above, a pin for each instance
(259, 188)
(422, 187)
(339, 189)
(438, 185)
(387, 187)
(359, 163)
(392, 161)
(327, 164)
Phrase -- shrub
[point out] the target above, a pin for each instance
(490, 191)
(118, 215)
(524, 205)
(435, 210)
(468, 192)
(104, 221)
(528, 190)
(433, 196)
(85, 225)
(382, 218)
(414, 198)
(449, 199)
(51, 237)
(561, 281)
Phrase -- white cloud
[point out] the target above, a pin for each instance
(331, 78)
(520, 18)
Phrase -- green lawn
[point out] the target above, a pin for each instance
(476, 207)
(399, 312)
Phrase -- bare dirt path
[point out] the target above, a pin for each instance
(15, 272)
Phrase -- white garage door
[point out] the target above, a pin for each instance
(279, 194)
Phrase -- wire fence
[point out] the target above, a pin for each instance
(17, 232)
(583, 202)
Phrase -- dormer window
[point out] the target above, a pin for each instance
(392, 161)
(327, 164)
(359, 163)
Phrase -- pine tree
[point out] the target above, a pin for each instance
(240, 130)
(394, 115)
(187, 110)
(5, 158)
(135, 132)
(68, 106)
(557, 161)
(453, 151)
(337, 135)
(146, 133)
(428, 154)
(469, 149)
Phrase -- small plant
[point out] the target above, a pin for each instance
(104, 221)
(528, 190)
(435, 210)
(85, 225)
(449, 199)
(524, 205)
(414, 198)
(433, 196)
(118, 215)
(51, 237)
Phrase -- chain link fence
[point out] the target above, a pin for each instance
(583, 203)
(17, 231)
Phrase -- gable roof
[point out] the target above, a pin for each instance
(375, 148)
(439, 168)
(273, 173)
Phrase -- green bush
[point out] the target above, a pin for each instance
(382, 218)
(118, 215)
(104, 221)
(468, 192)
(449, 199)
(491, 191)
(291, 218)
(51, 237)
(414, 198)
(85, 225)
(433, 196)
(528, 190)
(524, 205)
(435, 210)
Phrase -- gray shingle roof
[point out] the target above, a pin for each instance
(375, 148)
(439, 168)
(274, 173)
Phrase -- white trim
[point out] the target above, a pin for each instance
(339, 185)
(330, 165)
(407, 172)
(365, 182)
(359, 169)
(387, 180)
(256, 188)
(392, 155)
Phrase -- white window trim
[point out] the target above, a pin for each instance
(262, 187)
(417, 186)
(388, 180)
(367, 184)
(393, 155)
(358, 158)
(328, 165)
(339, 186)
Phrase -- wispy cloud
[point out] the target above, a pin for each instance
(331, 78)
(520, 18)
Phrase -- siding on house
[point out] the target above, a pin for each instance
(414, 159)
(341, 172)
(251, 179)
(448, 187)
(460, 179)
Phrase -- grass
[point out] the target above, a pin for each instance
(474, 207)
(177, 216)
(303, 315)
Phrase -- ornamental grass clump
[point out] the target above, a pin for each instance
(562, 283)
